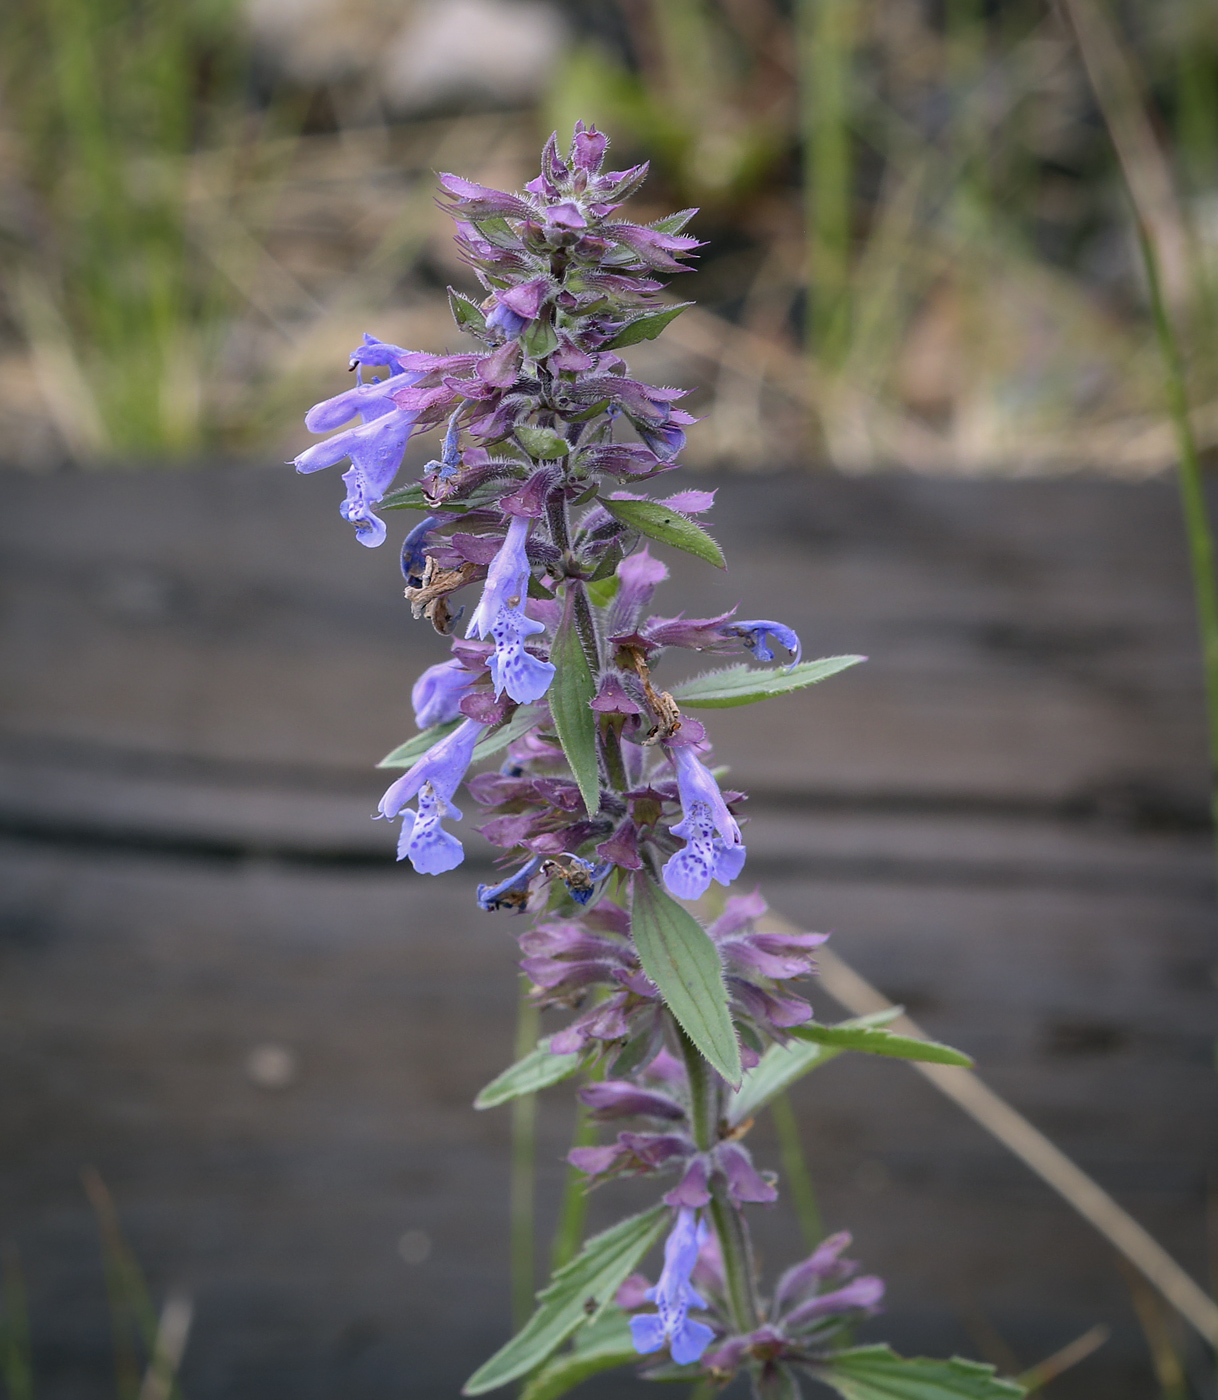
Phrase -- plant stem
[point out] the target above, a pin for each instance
(795, 1170)
(704, 1091)
(15, 1363)
(1192, 498)
(737, 1258)
(703, 1095)
(522, 1189)
(574, 1208)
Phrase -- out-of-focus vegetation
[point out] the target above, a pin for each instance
(920, 251)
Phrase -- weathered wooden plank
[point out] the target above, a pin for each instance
(1000, 817)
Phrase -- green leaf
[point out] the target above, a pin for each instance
(406, 498)
(678, 955)
(538, 339)
(594, 1275)
(646, 327)
(519, 725)
(570, 691)
(745, 684)
(668, 526)
(878, 1373)
(405, 754)
(598, 1347)
(602, 591)
(468, 315)
(873, 1041)
(543, 444)
(538, 1070)
(782, 1065)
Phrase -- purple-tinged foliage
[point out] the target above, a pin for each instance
(544, 429)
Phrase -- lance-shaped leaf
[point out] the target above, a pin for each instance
(599, 1347)
(668, 526)
(538, 1070)
(745, 684)
(542, 443)
(678, 955)
(878, 1373)
(595, 1275)
(516, 728)
(646, 327)
(782, 1065)
(405, 754)
(874, 1041)
(571, 691)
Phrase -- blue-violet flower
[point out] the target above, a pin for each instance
(714, 848)
(434, 779)
(673, 1297)
(500, 614)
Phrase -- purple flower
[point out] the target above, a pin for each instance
(434, 778)
(619, 1098)
(376, 448)
(673, 1297)
(714, 848)
(756, 635)
(861, 1293)
(437, 694)
(500, 614)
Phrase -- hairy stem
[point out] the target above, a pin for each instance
(795, 1170)
(522, 1189)
(737, 1258)
(704, 1092)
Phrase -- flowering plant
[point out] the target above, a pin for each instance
(605, 804)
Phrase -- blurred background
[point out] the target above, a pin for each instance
(934, 410)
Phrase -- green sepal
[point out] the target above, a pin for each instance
(783, 1065)
(538, 1070)
(409, 498)
(871, 1040)
(468, 315)
(678, 955)
(603, 1345)
(582, 1288)
(878, 1373)
(405, 754)
(667, 526)
(539, 339)
(646, 327)
(571, 690)
(745, 684)
(673, 223)
(542, 444)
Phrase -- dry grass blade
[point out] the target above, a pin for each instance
(172, 1333)
(1038, 1376)
(1031, 1146)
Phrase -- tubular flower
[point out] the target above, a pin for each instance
(437, 694)
(756, 635)
(500, 614)
(673, 1297)
(714, 848)
(433, 779)
(375, 448)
